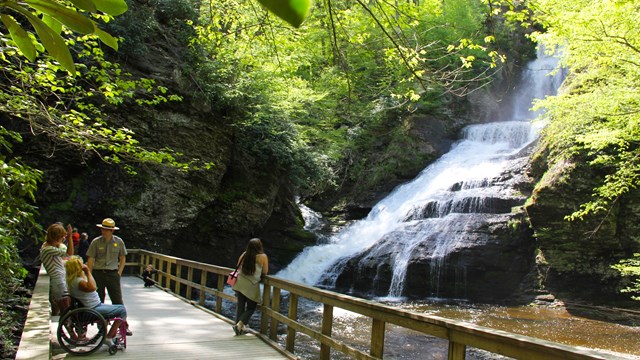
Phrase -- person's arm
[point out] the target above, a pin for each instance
(264, 263)
(91, 255)
(121, 265)
(69, 241)
(240, 259)
(90, 284)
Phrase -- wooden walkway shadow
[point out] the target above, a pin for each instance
(166, 327)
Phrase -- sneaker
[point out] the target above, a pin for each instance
(129, 332)
(237, 330)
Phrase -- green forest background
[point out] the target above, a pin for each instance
(324, 103)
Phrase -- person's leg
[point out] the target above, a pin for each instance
(246, 315)
(55, 310)
(113, 287)
(113, 331)
(109, 311)
(99, 277)
(241, 305)
(241, 308)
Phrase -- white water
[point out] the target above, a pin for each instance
(481, 155)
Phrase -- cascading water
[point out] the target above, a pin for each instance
(434, 214)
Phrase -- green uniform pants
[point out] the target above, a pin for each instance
(110, 280)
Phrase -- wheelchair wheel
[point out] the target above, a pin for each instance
(81, 331)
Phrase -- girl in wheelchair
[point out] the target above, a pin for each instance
(82, 287)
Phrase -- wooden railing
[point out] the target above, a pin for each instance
(279, 309)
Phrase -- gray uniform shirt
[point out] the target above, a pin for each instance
(106, 254)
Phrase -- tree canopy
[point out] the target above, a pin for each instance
(599, 114)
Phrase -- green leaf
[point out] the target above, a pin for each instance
(20, 37)
(111, 7)
(87, 5)
(69, 17)
(52, 41)
(291, 11)
(107, 39)
(54, 24)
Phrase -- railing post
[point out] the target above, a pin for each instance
(189, 295)
(156, 265)
(170, 275)
(220, 289)
(160, 272)
(143, 261)
(275, 306)
(266, 300)
(178, 278)
(166, 267)
(293, 315)
(377, 338)
(174, 275)
(457, 351)
(327, 325)
(203, 284)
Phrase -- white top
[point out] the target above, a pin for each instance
(88, 299)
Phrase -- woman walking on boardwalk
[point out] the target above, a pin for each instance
(252, 265)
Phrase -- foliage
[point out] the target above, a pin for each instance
(55, 15)
(49, 17)
(161, 25)
(18, 184)
(72, 112)
(599, 113)
(135, 28)
(631, 267)
(350, 66)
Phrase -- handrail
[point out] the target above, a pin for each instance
(177, 275)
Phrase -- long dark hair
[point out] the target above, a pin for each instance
(254, 247)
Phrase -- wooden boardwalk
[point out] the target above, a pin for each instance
(167, 327)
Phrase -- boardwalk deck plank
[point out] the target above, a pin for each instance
(166, 327)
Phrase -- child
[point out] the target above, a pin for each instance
(52, 254)
(146, 275)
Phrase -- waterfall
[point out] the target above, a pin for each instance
(432, 213)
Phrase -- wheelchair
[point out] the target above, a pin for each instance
(82, 331)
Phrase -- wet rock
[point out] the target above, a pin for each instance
(546, 298)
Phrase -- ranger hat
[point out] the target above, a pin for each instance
(108, 224)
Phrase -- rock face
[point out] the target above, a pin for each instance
(204, 215)
(576, 256)
(489, 265)
(197, 215)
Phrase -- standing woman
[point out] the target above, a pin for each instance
(52, 254)
(252, 264)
